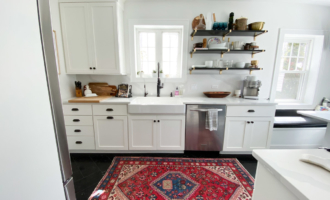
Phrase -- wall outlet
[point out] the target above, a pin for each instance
(193, 86)
(214, 86)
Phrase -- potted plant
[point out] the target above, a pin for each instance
(161, 74)
(140, 73)
(154, 74)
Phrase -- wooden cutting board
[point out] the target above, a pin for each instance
(103, 89)
(89, 99)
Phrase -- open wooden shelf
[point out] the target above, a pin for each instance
(224, 69)
(224, 33)
(226, 51)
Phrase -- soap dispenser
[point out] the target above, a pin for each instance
(176, 91)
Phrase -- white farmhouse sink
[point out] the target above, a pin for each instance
(156, 105)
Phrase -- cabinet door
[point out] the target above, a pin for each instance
(170, 132)
(235, 133)
(76, 38)
(111, 132)
(105, 42)
(259, 134)
(142, 132)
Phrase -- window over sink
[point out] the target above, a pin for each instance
(158, 44)
(163, 43)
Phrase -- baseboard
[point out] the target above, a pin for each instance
(236, 152)
(125, 151)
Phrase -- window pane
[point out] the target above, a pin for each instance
(151, 54)
(174, 54)
(145, 67)
(166, 68)
(144, 54)
(166, 54)
(295, 49)
(143, 39)
(174, 39)
(166, 40)
(288, 86)
(300, 64)
(151, 39)
(302, 49)
(285, 63)
(293, 63)
(286, 48)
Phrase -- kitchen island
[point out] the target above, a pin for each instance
(282, 176)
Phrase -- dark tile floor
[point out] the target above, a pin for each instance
(88, 169)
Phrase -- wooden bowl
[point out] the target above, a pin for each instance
(216, 94)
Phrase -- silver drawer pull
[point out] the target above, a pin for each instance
(205, 110)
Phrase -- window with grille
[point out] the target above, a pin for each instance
(158, 45)
(294, 68)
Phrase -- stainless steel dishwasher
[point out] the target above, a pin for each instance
(197, 137)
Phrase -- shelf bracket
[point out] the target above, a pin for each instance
(224, 52)
(250, 71)
(255, 35)
(192, 52)
(223, 37)
(253, 55)
(220, 71)
(192, 69)
(193, 34)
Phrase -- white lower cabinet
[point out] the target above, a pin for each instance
(156, 132)
(247, 133)
(142, 132)
(111, 132)
(171, 132)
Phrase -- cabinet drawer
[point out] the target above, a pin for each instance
(110, 109)
(80, 130)
(81, 142)
(77, 109)
(243, 111)
(78, 120)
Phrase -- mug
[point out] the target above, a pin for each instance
(209, 63)
(238, 45)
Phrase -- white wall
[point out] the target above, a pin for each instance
(29, 166)
(66, 80)
(276, 15)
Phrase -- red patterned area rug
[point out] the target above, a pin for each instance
(148, 178)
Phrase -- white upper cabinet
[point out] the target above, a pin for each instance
(92, 37)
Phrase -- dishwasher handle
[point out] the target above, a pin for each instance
(205, 110)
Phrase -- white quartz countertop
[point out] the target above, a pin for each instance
(321, 115)
(226, 101)
(305, 180)
(191, 100)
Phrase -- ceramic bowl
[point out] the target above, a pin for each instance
(216, 94)
(218, 46)
(240, 64)
(256, 26)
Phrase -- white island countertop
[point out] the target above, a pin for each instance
(306, 181)
(192, 100)
(321, 115)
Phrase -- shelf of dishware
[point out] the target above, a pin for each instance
(224, 33)
(220, 69)
(226, 51)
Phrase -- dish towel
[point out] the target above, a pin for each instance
(211, 119)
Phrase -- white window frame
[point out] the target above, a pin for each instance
(304, 72)
(306, 96)
(135, 25)
(158, 46)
